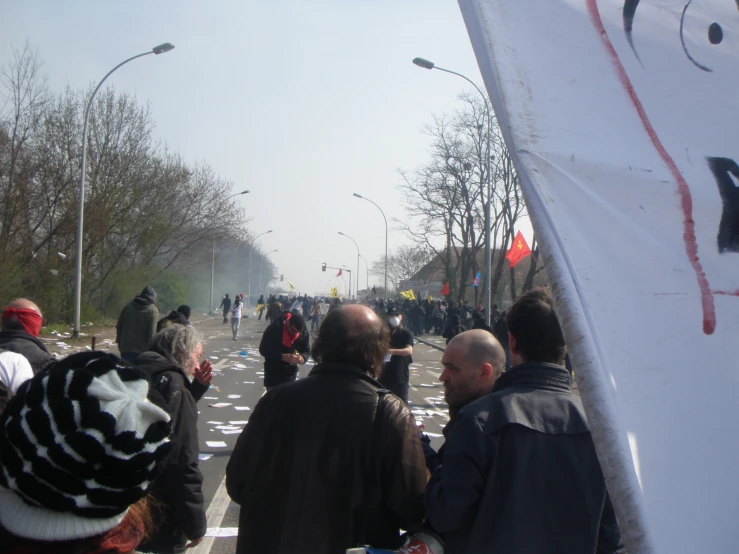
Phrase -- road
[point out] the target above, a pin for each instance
(224, 413)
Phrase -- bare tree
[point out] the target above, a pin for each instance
(403, 264)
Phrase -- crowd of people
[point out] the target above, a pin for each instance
(99, 453)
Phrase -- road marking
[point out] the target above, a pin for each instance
(215, 514)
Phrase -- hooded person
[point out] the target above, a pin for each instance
(454, 328)
(284, 345)
(137, 324)
(478, 322)
(94, 435)
(21, 326)
(174, 317)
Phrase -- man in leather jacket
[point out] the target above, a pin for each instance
(332, 461)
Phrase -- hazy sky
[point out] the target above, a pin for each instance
(303, 103)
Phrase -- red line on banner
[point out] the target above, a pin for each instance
(686, 200)
(727, 292)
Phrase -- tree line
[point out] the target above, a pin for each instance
(150, 216)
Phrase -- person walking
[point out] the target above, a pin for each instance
(236, 316)
(396, 373)
(332, 461)
(454, 328)
(137, 324)
(226, 305)
(315, 321)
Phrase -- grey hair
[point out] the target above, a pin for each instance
(176, 343)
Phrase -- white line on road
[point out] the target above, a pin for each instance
(215, 514)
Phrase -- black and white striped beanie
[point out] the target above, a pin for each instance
(79, 444)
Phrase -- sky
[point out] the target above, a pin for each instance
(302, 103)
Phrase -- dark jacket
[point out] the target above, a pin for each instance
(225, 304)
(500, 330)
(181, 515)
(479, 323)
(31, 347)
(173, 317)
(316, 473)
(137, 323)
(520, 473)
(277, 372)
(454, 328)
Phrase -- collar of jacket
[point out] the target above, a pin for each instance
(535, 375)
(345, 369)
(155, 364)
(25, 336)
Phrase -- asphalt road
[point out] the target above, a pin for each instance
(224, 413)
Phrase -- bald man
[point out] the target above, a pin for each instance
(21, 325)
(472, 361)
(331, 461)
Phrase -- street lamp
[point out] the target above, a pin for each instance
(248, 291)
(213, 258)
(356, 281)
(425, 64)
(161, 49)
(383, 217)
(366, 267)
(260, 269)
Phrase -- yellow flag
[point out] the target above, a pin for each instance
(334, 292)
(292, 287)
(408, 294)
(260, 307)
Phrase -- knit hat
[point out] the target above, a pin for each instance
(79, 444)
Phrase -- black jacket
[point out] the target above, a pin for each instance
(179, 487)
(277, 372)
(520, 474)
(479, 323)
(327, 463)
(31, 347)
(454, 328)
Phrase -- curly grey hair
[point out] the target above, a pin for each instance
(176, 343)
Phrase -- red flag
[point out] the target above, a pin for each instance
(445, 289)
(519, 250)
(339, 274)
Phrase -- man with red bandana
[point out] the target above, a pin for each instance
(20, 329)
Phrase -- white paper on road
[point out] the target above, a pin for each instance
(434, 435)
(216, 422)
(222, 532)
(202, 456)
(231, 431)
(621, 118)
(241, 408)
(211, 397)
(215, 444)
(219, 405)
(228, 427)
(234, 396)
(240, 422)
(248, 382)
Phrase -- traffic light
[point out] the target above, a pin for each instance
(282, 277)
(323, 266)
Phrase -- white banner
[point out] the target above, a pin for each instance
(622, 120)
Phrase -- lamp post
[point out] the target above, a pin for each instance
(248, 291)
(366, 268)
(213, 258)
(356, 281)
(161, 49)
(386, 233)
(420, 62)
(261, 266)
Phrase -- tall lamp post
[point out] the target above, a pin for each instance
(161, 49)
(383, 217)
(356, 281)
(262, 266)
(366, 267)
(248, 291)
(420, 62)
(213, 258)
